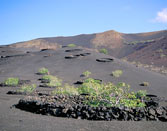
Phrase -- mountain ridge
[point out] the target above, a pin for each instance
(119, 45)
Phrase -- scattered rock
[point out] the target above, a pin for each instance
(15, 93)
(73, 107)
(71, 57)
(46, 86)
(44, 50)
(78, 83)
(85, 54)
(105, 60)
(73, 50)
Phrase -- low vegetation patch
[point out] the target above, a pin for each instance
(47, 77)
(86, 73)
(12, 81)
(138, 42)
(104, 94)
(162, 55)
(66, 90)
(117, 73)
(43, 71)
(71, 45)
(103, 50)
(27, 88)
(51, 81)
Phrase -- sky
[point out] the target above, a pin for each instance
(22, 20)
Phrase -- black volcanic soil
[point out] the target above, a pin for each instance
(18, 63)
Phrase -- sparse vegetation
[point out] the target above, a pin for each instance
(109, 94)
(12, 81)
(65, 90)
(117, 73)
(104, 94)
(71, 45)
(27, 88)
(47, 77)
(43, 71)
(103, 50)
(53, 81)
(162, 55)
(159, 51)
(137, 42)
(87, 73)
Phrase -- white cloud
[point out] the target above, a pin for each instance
(161, 16)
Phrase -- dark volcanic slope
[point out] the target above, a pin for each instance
(24, 65)
(27, 64)
(151, 53)
(119, 45)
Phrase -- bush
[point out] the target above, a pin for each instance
(109, 94)
(86, 73)
(66, 90)
(104, 94)
(43, 71)
(162, 55)
(103, 50)
(117, 73)
(11, 81)
(47, 77)
(27, 88)
(53, 81)
(71, 45)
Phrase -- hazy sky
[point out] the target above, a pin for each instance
(22, 20)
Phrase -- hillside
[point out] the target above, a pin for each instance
(141, 47)
(68, 64)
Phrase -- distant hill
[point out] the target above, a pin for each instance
(148, 48)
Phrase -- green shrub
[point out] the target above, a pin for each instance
(104, 94)
(103, 50)
(109, 94)
(11, 81)
(141, 94)
(66, 90)
(86, 73)
(47, 77)
(43, 71)
(162, 55)
(89, 86)
(53, 81)
(71, 45)
(159, 51)
(27, 88)
(117, 73)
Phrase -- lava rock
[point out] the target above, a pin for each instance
(105, 60)
(73, 50)
(15, 93)
(71, 57)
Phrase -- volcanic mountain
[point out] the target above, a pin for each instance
(148, 48)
